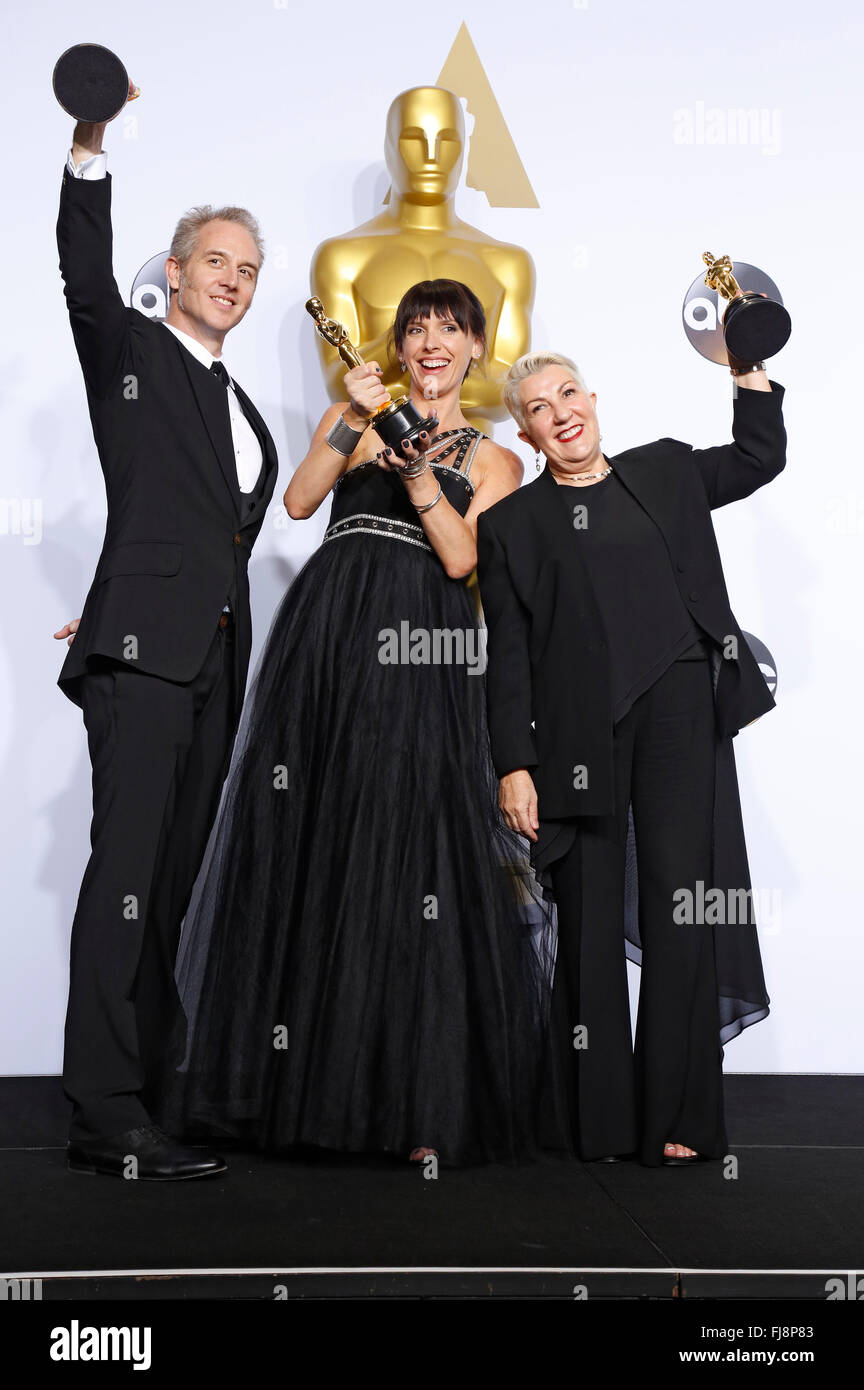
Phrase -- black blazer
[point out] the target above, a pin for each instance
(547, 661)
(176, 544)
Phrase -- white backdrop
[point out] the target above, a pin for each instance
(281, 107)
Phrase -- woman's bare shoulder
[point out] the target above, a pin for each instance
(496, 461)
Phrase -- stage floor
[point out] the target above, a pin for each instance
(340, 1227)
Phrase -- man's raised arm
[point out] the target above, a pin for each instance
(100, 324)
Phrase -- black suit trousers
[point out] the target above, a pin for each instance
(601, 1095)
(160, 752)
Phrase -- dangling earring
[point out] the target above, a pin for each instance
(401, 364)
(537, 460)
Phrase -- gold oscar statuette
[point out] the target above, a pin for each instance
(754, 326)
(417, 235)
(393, 421)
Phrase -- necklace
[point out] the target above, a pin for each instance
(578, 478)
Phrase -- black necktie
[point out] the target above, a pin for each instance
(219, 371)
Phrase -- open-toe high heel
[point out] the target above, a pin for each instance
(679, 1160)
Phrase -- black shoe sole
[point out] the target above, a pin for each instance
(93, 1170)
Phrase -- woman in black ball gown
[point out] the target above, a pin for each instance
(366, 962)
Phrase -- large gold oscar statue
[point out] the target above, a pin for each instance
(362, 274)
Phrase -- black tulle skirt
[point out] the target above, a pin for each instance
(366, 963)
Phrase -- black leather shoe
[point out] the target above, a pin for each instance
(157, 1157)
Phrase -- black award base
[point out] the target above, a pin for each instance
(755, 327)
(400, 421)
(90, 83)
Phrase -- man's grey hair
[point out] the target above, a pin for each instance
(188, 228)
(528, 365)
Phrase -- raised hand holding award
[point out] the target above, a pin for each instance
(754, 326)
(392, 422)
(91, 83)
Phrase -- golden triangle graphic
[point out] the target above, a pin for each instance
(494, 166)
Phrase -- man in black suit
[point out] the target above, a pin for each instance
(160, 657)
(617, 678)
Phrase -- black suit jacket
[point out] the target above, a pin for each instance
(547, 659)
(176, 542)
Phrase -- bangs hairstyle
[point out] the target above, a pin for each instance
(442, 298)
(529, 365)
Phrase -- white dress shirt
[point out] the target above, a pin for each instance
(247, 449)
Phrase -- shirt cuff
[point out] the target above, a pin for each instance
(95, 167)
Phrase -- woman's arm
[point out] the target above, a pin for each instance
(732, 471)
(508, 686)
(453, 537)
(508, 674)
(315, 476)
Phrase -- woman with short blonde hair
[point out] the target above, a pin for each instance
(617, 676)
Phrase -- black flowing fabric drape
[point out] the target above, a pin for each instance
(741, 994)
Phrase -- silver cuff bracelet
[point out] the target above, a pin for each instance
(343, 438)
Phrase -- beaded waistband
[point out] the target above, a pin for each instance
(372, 525)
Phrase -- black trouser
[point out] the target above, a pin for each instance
(160, 752)
(604, 1097)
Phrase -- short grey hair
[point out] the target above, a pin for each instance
(529, 365)
(187, 231)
